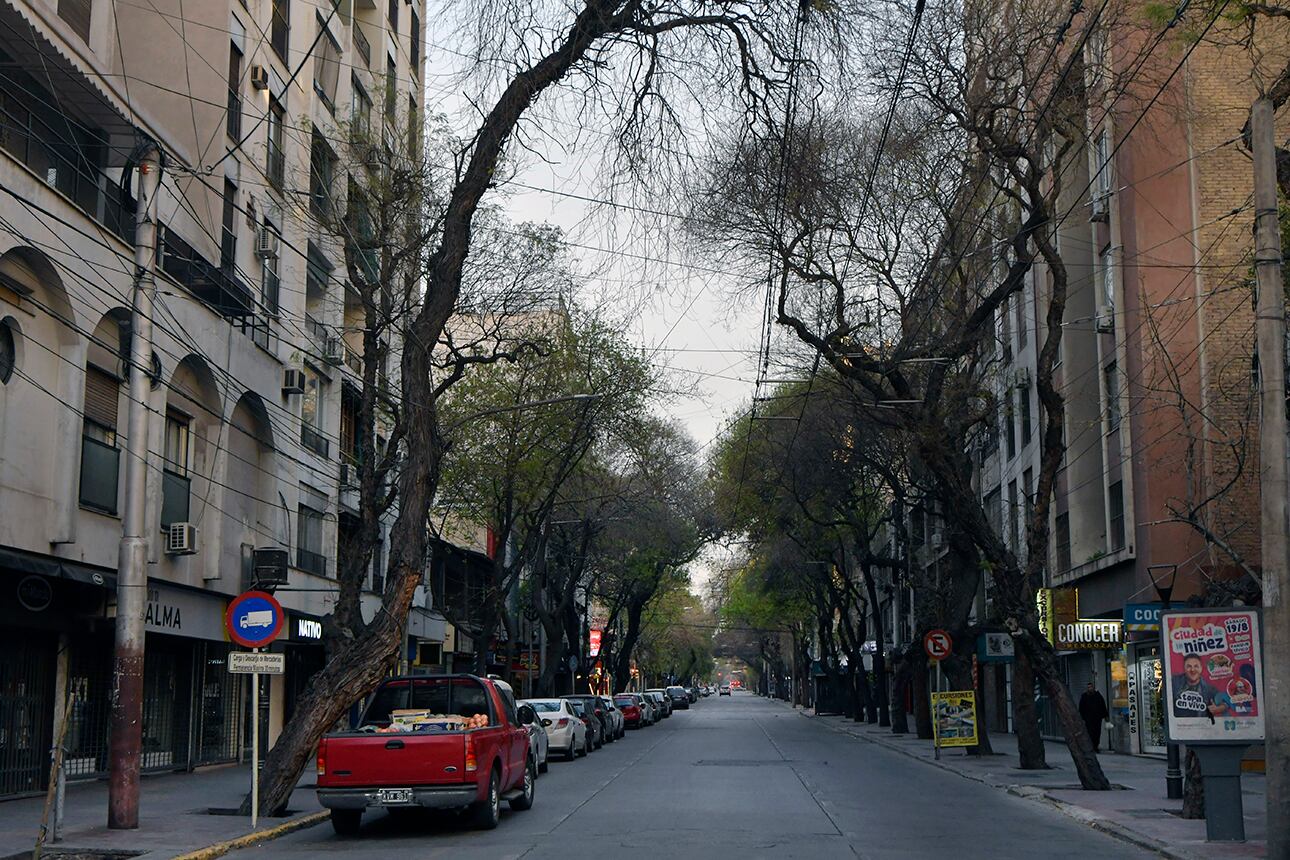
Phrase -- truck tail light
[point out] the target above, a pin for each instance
(472, 763)
(322, 758)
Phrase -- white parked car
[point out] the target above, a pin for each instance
(565, 732)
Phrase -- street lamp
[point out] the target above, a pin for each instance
(1163, 577)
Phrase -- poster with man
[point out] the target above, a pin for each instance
(1213, 675)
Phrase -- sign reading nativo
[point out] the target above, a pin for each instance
(252, 662)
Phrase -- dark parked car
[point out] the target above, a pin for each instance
(595, 726)
(662, 704)
(680, 698)
(596, 707)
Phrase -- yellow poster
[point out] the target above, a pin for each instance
(954, 718)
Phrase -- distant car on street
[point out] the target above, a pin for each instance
(725, 690)
(662, 704)
(680, 698)
(595, 705)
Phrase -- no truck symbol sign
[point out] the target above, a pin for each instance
(937, 644)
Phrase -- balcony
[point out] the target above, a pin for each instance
(220, 289)
(176, 491)
(100, 470)
(311, 562)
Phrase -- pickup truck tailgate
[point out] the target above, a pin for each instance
(414, 758)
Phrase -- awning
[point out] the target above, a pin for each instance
(56, 568)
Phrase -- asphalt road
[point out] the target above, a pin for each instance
(737, 776)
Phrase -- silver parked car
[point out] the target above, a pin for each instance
(618, 723)
(539, 742)
(566, 734)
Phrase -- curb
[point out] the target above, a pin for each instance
(219, 849)
(1038, 795)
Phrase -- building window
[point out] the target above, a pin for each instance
(1102, 164)
(1010, 427)
(1023, 398)
(270, 279)
(1005, 332)
(326, 65)
(993, 511)
(228, 235)
(414, 129)
(1112, 397)
(311, 415)
(77, 14)
(175, 484)
(414, 46)
(309, 541)
(362, 46)
(349, 428)
(8, 352)
(280, 27)
(360, 119)
(391, 86)
(1107, 271)
(1020, 312)
(234, 125)
(1063, 541)
(1013, 504)
(277, 161)
(100, 457)
(1116, 508)
(392, 15)
(322, 163)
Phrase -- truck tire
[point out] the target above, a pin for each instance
(346, 821)
(525, 800)
(485, 814)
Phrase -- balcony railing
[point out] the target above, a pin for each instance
(311, 562)
(175, 495)
(100, 470)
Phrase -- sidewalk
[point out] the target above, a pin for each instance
(173, 815)
(1137, 812)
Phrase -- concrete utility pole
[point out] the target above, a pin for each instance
(1271, 328)
(132, 563)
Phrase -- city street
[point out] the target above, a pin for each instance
(736, 776)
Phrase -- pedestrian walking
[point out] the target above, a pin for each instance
(1092, 707)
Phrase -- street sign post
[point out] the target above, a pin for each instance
(938, 645)
(254, 619)
(256, 662)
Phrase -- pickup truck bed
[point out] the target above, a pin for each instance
(471, 769)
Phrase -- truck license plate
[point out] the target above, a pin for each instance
(394, 795)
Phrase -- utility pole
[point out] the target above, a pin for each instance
(1271, 330)
(132, 563)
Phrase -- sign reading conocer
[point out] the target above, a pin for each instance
(1087, 633)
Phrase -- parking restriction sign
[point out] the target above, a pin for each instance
(937, 644)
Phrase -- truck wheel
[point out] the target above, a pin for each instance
(525, 800)
(486, 813)
(346, 821)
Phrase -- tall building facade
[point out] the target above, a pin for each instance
(257, 348)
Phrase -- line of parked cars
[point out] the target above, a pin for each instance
(461, 742)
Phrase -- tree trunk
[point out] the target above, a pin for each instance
(922, 703)
(881, 686)
(959, 672)
(1083, 756)
(1025, 714)
(1193, 788)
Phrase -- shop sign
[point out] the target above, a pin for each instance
(995, 647)
(307, 628)
(593, 642)
(954, 718)
(184, 613)
(1142, 617)
(35, 593)
(1086, 633)
(1133, 702)
(1213, 674)
(256, 662)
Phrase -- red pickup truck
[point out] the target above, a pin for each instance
(402, 756)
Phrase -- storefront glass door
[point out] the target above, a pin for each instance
(26, 711)
(1151, 723)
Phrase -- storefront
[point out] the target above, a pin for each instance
(1088, 651)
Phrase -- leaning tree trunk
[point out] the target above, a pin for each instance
(1083, 756)
(901, 672)
(1193, 788)
(922, 703)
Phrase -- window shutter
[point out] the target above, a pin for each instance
(101, 391)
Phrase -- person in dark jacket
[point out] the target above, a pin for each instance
(1092, 708)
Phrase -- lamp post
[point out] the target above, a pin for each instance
(1163, 577)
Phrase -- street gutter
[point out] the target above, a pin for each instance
(219, 849)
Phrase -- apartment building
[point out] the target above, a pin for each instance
(1155, 366)
(257, 345)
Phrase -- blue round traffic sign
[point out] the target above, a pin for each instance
(254, 619)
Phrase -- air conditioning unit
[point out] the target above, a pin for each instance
(268, 568)
(333, 350)
(181, 539)
(1021, 378)
(1101, 208)
(293, 381)
(259, 77)
(1106, 319)
(937, 538)
(266, 243)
